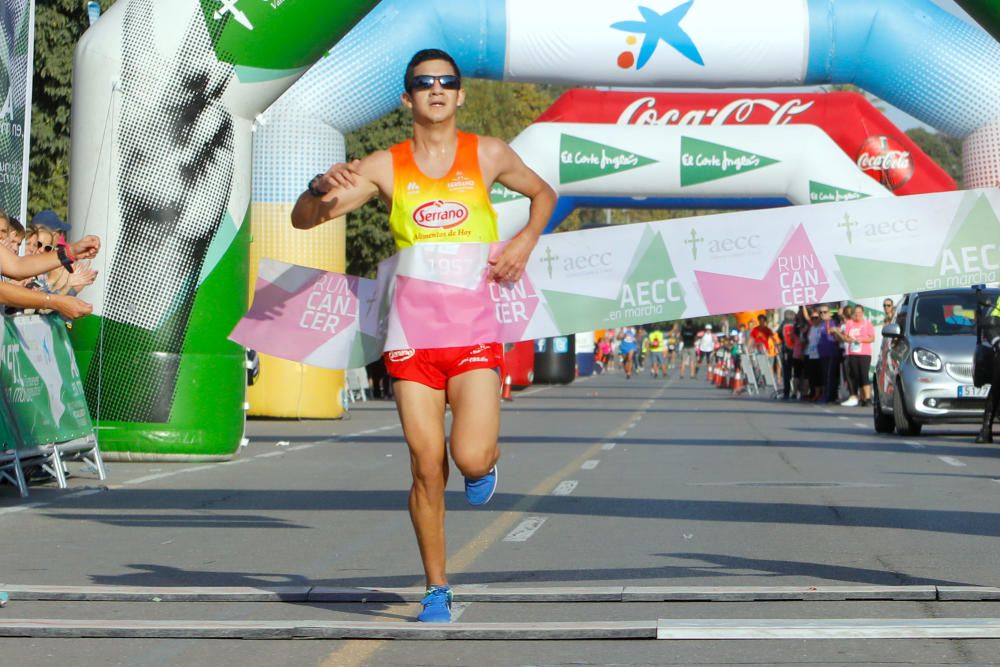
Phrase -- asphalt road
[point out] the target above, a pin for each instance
(605, 482)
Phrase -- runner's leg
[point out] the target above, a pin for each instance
(475, 407)
(421, 412)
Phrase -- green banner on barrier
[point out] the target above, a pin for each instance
(41, 385)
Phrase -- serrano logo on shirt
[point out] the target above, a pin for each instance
(440, 214)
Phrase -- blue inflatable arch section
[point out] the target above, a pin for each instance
(911, 53)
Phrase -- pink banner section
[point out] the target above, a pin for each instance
(441, 295)
(298, 312)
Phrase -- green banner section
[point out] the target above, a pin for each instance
(583, 159)
(704, 161)
(963, 261)
(650, 292)
(43, 396)
(278, 34)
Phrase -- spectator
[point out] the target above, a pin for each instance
(16, 232)
(828, 356)
(657, 347)
(36, 264)
(790, 370)
(689, 333)
(6, 232)
(673, 344)
(706, 342)
(858, 333)
(814, 369)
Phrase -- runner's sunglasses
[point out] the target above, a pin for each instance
(426, 81)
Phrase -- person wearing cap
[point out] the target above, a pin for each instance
(51, 220)
(705, 346)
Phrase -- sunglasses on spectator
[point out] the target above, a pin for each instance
(426, 81)
(45, 247)
(824, 312)
(887, 304)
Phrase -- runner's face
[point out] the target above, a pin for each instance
(435, 104)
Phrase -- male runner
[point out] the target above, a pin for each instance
(657, 346)
(440, 164)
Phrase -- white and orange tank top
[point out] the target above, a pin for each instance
(452, 209)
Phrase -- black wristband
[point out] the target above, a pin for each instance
(313, 190)
(63, 259)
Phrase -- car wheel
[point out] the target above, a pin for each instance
(904, 423)
(883, 423)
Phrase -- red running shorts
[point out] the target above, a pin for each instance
(434, 367)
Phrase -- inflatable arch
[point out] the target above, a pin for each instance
(760, 166)
(165, 95)
(864, 134)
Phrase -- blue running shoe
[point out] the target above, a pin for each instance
(437, 605)
(479, 491)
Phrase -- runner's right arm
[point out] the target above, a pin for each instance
(343, 188)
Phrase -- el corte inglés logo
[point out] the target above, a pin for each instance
(582, 159)
(703, 161)
(440, 214)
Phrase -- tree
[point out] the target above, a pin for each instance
(945, 150)
(491, 107)
(58, 27)
(368, 238)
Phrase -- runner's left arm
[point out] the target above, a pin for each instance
(511, 172)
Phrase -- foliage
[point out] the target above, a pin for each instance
(491, 107)
(945, 150)
(58, 26)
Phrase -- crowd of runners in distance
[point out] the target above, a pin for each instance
(817, 353)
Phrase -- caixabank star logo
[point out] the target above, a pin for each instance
(655, 28)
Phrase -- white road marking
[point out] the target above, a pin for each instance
(298, 448)
(149, 478)
(236, 462)
(843, 417)
(827, 411)
(860, 425)
(269, 455)
(565, 488)
(457, 609)
(608, 446)
(952, 461)
(525, 529)
(914, 444)
(589, 465)
(21, 508)
(81, 494)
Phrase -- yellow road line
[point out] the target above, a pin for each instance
(355, 652)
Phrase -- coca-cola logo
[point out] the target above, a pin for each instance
(886, 160)
(440, 214)
(748, 110)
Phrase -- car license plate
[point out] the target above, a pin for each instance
(970, 391)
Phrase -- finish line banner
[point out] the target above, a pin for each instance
(440, 295)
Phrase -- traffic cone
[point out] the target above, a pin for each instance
(506, 389)
(738, 382)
